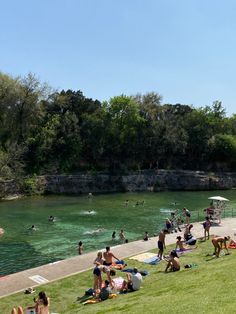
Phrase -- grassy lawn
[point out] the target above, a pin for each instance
(208, 288)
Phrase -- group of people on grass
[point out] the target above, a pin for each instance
(188, 241)
(104, 265)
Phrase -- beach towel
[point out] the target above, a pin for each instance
(152, 260)
(144, 256)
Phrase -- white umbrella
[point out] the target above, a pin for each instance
(218, 198)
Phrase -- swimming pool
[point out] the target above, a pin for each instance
(90, 220)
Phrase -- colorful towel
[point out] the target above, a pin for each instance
(144, 256)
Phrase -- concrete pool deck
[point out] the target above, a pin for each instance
(54, 271)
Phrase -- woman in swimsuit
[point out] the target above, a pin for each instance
(218, 244)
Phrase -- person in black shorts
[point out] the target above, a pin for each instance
(161, 243)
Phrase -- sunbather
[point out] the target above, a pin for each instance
(41, 305)
(180, 244)
(173, 262)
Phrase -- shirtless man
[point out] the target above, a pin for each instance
(218, 244)
(173, 263)
(108, 255)
(161, 243)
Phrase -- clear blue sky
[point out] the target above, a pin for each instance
(183, 49)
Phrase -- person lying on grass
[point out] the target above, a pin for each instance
(173, 262)
(218, 245)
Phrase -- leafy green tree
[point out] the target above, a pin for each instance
(223, 151)
(123, 130)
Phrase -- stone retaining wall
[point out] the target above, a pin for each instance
(146, 180)
(149, 180)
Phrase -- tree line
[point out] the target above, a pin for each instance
(43, 131)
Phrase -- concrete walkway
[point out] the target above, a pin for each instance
(47, 273)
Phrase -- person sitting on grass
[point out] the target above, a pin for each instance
(41, 305)
(133, 282)
(218, 245)
(180, 244)
(184, 246)
(105, 291)
(173, 262)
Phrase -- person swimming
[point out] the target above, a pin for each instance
(33, 228)
(51, 219)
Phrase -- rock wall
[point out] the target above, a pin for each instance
(147, 180)
(8, 188)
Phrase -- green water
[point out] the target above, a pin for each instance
(21, 249)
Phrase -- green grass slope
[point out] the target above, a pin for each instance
(208, 288)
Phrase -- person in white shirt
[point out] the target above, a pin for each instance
(134, 281)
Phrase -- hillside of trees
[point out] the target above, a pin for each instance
(43, 131)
